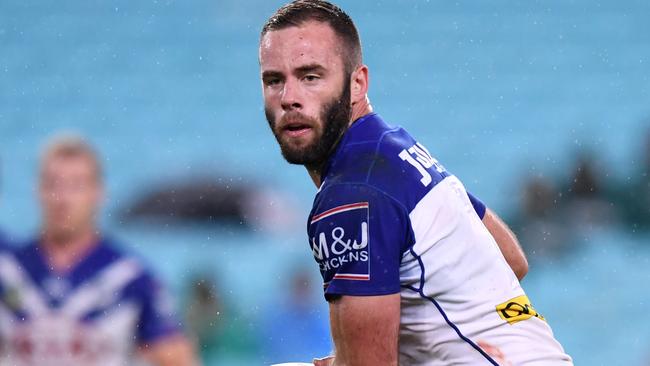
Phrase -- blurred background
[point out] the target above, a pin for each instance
(542, 108)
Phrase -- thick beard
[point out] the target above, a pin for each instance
(336, 118)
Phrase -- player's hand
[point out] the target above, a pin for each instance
(495, 353)
(325, 361)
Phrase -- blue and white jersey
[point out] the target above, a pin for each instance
(389, 218)
(3, 242)
(97, 313)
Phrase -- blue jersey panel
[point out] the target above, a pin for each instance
(388, 158)
(357, 236)
(359, 226)
(157, 318)
(478, 205)
(3, 241)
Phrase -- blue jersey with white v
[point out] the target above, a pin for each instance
(390, 219)
(359, 226)
(4, 242)
(93, 314)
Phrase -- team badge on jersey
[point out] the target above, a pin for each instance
(340, 240)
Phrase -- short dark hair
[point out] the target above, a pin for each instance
(299, 12)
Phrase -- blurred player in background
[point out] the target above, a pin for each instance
(415, 269)
(4, 251)
(70, 296)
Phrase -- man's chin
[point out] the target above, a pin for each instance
(295, 159)
(298, 156)
(62, 232)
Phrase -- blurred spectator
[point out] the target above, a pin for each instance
(550, 219)
(541, 227)
(584, 183)
(75, 298)
(215, 200)
(635, 193)
(297, 329)
(587, 201)
(203, 316)
(220, 333)
(540, 198)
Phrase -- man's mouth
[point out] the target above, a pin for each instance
(296, 129)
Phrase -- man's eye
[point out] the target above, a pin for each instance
(271, 82)
(311, 77)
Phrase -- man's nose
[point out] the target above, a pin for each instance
(291, 95)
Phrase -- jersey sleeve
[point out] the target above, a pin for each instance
(357, 235)
(479, 206)
(157, 317)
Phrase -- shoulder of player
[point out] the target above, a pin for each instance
(139, 278)
(4, 243)
(25, 249)
(108, 258)
(355, 191)
(116, 251)
(359, 161)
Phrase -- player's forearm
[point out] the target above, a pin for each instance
(365, 330)
(508, 243)
(174, 351)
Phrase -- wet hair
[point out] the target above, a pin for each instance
(71, 146)
(299, 12)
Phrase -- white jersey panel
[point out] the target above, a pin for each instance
(12, 273)
(453, 279)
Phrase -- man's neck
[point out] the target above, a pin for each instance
(315, 174)
(62, 252)
(360, 109)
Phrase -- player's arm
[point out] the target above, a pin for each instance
(507, 242)
(365, 330)
(362, 285)
(160, 337)
(173, 350)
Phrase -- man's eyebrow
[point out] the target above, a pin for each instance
(310, 68)
(271, 73)
(305, 69)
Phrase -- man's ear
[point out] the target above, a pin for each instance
(359, 84)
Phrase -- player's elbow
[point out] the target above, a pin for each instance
(520, 267)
